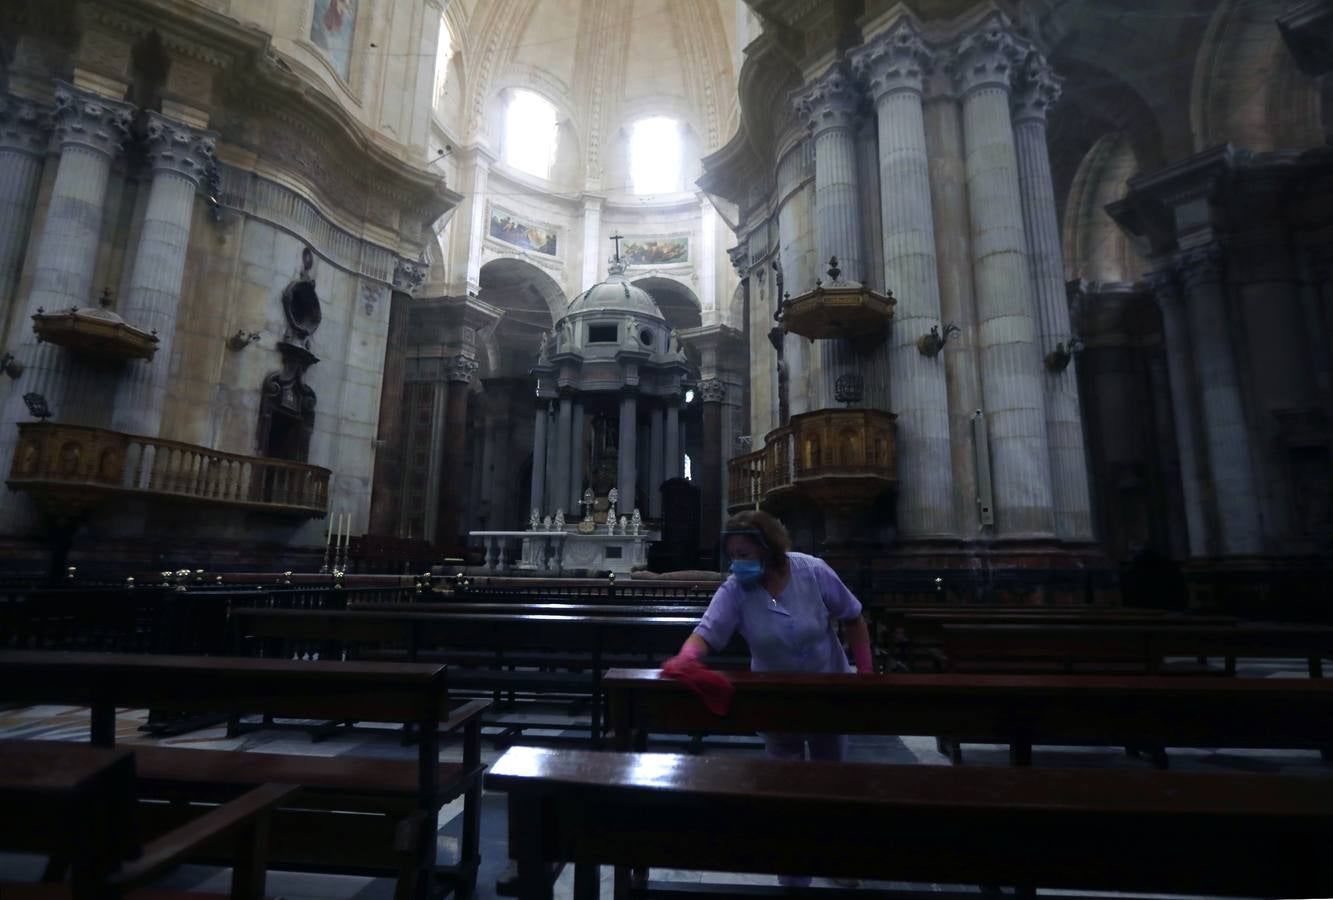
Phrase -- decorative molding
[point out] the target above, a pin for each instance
(832, 101)
(1036, 89)
(898, 60)
(461, 368)
(1200, 265)
(179, 149)
(25, 127)
(408, 275)
(985, 57)
(87, 120)
(712, 390)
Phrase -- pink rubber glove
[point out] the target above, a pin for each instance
(865, 664)
(687, 668)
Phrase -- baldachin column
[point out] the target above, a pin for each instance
(672, 438)
(575, 460)
(1011, 369)
(893, 68)
(564, 438)
(1037, 89)
(627, 456)
(179, 157)
(656, 427)
(538, 493)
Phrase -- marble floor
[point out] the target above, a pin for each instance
(71, 723)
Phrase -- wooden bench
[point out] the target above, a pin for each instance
(585, 643)
(1128, 649)
(1021, 711)
(351, 815)
(1083, 830)
(78, 806)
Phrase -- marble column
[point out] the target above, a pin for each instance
(794, 257)
(564, 438)
(449, 521)
(1226, 434)
(179, 157)
(712, 392)
(627, 455)
(575, 460)
(24, 136)
(656, 427)
(90, 130)
(1036, 90)
(671, 448)
(538, 493)
(893, 68)
(1179, 355)
(1011, 369)
(830, 109)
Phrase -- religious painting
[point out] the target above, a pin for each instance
(666, 251)
(511, 229)
(331, 30)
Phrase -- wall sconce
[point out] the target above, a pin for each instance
(242, 339)
(10, 365)
(1058, 359)
(930, 345)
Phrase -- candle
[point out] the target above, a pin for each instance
(328, 538)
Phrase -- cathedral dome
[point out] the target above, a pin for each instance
(615, 295)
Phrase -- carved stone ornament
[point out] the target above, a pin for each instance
(24, 126)
(89, 120)
(897, 60)
(712, 390)
(986, 57)
(1165, 287)
(179, 149)
(408, 275)
(1036, 89)
(461, 369)
(830, 102)
(740, 258)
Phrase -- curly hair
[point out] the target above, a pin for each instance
(772, 533)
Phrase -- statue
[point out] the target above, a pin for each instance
(636, 522)
(544, 348)
(534, 520)
(560, 519)
(624, 525)
(546, 524)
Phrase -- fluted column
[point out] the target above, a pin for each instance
(1226, 434)
(575, 459)
(24, 135)
(564, 439)
(830, 108)
(179, 157)
(1011, 369)
(538, 492)
(1176, 334)
(1036, 91)
(90, 130)
(893, 68)
(656, 427)
(627, 455)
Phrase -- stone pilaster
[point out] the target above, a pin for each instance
(179, 157)
(830, 107)
(1011, 370)
(1226, 435)
(24, 135)
(1036, 90)
(90, 131)
(449, 522)
(627, 456)
(893, 68)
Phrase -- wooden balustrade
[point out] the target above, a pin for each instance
(843, 456)
(74, 465)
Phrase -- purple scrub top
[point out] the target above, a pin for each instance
(794, 632)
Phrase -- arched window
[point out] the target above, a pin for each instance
(444, 53)
(655, 156)
(530, 133)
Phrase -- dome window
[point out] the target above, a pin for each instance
(530, 133)
(603, 334)
(646, 337)
(655, 156)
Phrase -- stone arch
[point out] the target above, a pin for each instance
(1095, 248)
(677, 302)
(532, 303)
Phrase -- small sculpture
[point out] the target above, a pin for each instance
(929, 345)
(624, 524)
(534, 520)
(546, 523)
(560, 519)
(613, 497)
(636, 522)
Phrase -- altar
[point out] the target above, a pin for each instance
(555, 552)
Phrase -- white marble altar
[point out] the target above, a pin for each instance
(551, 552)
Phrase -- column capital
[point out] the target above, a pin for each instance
(178, 148)
(1199, 265)
(25, 127)
(1036, 89)
(89, 120)
(1165, 287)
(460, 369)
(831, 101)
(740, 258)
(712, 390)
(408, 274)
(985, 57)
(897, 60)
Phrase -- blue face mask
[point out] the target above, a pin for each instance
(747, 571)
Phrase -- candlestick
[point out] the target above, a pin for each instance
(328, 544)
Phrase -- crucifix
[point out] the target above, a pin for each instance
(617, 238)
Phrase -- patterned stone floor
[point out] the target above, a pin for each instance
(71, 723)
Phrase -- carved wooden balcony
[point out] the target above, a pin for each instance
(70, 469)
(838, 458)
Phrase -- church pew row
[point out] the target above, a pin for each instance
(514, 654)
(1143, 649)
(1100, 830)
(1017, 710)
(351, 815)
